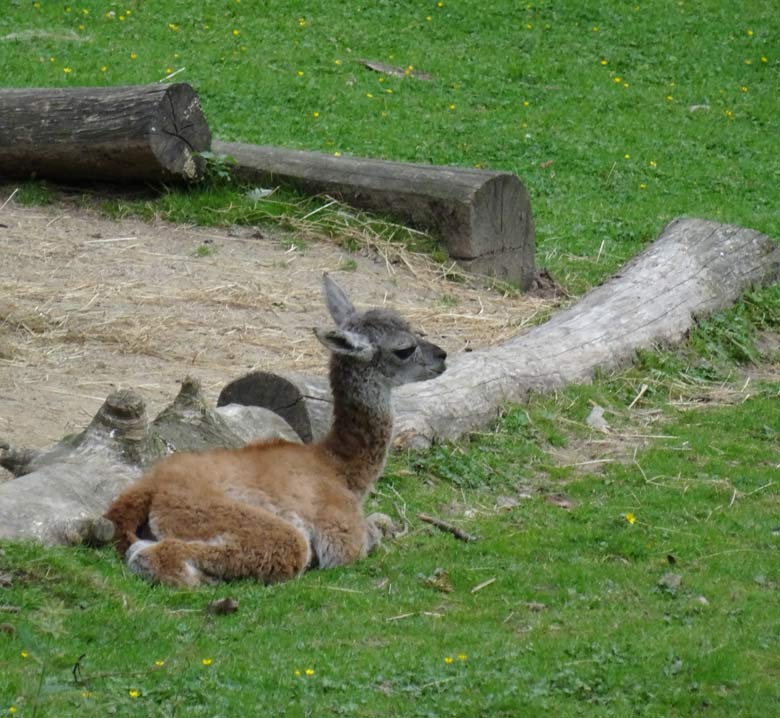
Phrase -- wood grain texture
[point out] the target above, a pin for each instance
(145, 133)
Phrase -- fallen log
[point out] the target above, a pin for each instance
(60, 494)
(693, 269)
(145, 133)
(483, 218)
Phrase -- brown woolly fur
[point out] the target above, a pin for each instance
(273, 509)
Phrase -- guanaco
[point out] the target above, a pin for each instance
(272, 509)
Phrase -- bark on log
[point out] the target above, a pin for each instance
(693, 269)
(145, 133)
(61, 494)
(483, 218)
(303, 402)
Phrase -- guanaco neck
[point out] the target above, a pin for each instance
(362, 422)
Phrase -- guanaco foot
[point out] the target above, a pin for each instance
(154, 562)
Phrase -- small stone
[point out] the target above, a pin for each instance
(670, 582)
(596, 419)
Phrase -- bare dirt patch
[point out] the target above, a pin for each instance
(89, 304)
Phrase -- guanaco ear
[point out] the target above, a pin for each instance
(339, 306)
(340, 341)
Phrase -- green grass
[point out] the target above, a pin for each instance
(580, 619)
(516, 86)
(552, 611)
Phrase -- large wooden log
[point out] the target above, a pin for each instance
(483, 218)
(61, 493)
(146, 133)
(693, 269)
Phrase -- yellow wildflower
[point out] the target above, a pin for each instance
(133, 693)
(653, 163)
(764, 59)
(462, 656)
(743, 88)
(748, 61)
(641, 186)
(133, 56)
(207, 661)
(603, 62)
(315, 115)
(629, 516)
(627, 156)
(669, 98)
(309, 671)
(103, 68)
(159, 664)
(300, 73)
(451, 106)
(448, 659)
(173, 26)
(617, 79)
(24, 654)
(236, 32)
(67, 70)
(750, 33)
(12, 710)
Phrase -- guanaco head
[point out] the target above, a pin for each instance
(380, 339)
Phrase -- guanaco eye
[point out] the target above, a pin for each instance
(405, 353)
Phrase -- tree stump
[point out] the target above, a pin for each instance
(145, 133)
(483, 218)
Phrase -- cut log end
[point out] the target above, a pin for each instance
(272, 392)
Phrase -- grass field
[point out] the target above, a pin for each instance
(644, 585)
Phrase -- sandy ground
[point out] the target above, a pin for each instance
(89, 304)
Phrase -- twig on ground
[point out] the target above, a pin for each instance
(482, 585)
(10, 197)
(446, 526)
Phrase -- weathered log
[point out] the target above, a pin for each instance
(145, 133)
(62, 493)
(305, 403)
(693, 269)
(483, 218)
